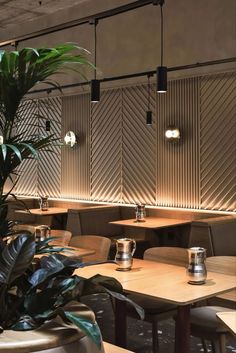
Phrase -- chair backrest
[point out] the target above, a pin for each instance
(222, 264)
(63, 236)
(169, 255)
(100, 244)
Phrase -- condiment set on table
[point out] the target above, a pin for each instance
(196, 270)
(125, 248)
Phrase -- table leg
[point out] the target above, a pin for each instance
(120, 323)
(182, 330)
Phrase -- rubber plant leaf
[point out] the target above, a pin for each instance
(25, 323)
(16, 258)
(53, 266)
(122, 297)
(40, 302)
(91, 329)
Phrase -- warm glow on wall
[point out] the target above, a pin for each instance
(172, 134)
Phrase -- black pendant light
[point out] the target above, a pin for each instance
(161, 70)
(149, 112)
(95, 84)
(48, 122)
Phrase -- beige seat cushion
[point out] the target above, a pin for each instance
(205, 318)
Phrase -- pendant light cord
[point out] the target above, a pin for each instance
(149, 91)
(161, 35)
(95, 48)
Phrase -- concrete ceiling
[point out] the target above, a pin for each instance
(14, 12)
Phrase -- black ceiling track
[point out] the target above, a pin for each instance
(139, 74)
(98, 16)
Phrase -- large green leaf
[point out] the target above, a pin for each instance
(25, 323)
(16, 258)
(122, 297)
(50, 266)
(91, 329)
(98, 282)
(40, 302)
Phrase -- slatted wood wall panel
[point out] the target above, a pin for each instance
(218, 142)
(139, 147)
(28, 169)
(106, 153)
(75, 172)
(49, 166)
(120, 159)
(178, 163)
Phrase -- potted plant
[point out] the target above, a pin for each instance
(34, 292)
(31, 293)
(19, 72)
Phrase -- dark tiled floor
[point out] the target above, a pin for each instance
(139, 332)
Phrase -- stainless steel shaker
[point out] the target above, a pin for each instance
(140, 213)
(196, 270)
(42, 232)
(125, 249)
(43, 203)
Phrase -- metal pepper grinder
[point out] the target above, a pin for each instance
(43, 203)
(140, 213)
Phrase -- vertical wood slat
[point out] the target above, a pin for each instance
(75, 172)
(178, 163)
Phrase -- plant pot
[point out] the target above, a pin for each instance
(52, 337)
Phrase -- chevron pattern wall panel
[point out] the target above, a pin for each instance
(28, 178)
(178, 163)
(106, 157)
(75, 172)
(218, 142)
(139, 147)
(49, 166)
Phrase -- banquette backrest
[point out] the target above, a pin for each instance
(94, 221)
(217, 235)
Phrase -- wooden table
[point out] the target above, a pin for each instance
(110, 348)
(229, 319)
(77, 252)
(167, 283)
(51, 211)
(57, 212)
(152, 222)
(72, 252)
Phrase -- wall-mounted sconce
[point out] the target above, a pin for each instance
(70, 138)
(172, 134)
